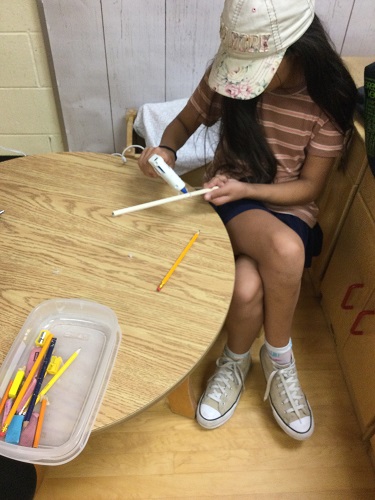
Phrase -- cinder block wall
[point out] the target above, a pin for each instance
(28, 117)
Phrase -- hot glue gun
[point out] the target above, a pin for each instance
(167, 173)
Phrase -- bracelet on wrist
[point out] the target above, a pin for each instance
(169, 149)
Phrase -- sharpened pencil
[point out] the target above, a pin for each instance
(173, 268)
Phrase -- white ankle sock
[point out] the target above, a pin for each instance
(234, 356)
(280, 355)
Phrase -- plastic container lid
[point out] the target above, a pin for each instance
(75, 398)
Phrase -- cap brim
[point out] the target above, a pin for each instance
(242, 78)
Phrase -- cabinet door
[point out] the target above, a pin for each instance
(335, 202)
(358, 360)
(350, 276)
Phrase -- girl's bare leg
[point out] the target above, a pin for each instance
(269, 266)
(279, 255)
(245, 315)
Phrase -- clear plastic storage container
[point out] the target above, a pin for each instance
(75, 398)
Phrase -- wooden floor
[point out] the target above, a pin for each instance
(158, 454)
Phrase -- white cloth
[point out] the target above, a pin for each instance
(152, 119)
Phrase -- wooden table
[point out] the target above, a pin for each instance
(59, 239)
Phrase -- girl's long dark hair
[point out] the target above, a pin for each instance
(328, 81)
(330, 85)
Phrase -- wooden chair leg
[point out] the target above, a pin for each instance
(182, 400)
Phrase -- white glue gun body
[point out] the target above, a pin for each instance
(167, 173)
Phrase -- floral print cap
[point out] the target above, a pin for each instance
(255, 35)
(242, 81)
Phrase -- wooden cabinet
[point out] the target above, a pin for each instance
(348, 299)
(372, 449)
(344, 273)
(335, 202)
(357, 360)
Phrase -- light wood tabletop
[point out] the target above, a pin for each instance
(59, 239)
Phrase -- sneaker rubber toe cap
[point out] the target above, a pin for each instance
(303, 425)
(208, 413)
(301, 429)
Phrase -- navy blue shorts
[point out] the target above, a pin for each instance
(312, 237)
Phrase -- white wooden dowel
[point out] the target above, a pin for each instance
(155, 203)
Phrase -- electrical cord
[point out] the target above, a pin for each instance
(122, 155)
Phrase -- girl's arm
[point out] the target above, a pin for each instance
(299, 192)
(174, 136)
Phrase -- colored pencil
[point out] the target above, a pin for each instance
(58, 375)
(5, 396)
(27, 396)
(26, 384)
(39, 425)
(47, 359)
(173, 268)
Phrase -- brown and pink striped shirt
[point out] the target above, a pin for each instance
(294, 127)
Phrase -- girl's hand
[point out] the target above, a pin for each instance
(144, 165)
(228, 190)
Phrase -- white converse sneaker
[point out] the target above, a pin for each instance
(289, 404)
(223, 392)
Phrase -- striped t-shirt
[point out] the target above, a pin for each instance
(293, 125)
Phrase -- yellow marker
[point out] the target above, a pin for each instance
(16, 383)
(54, 365)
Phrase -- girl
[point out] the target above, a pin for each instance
(286, 104)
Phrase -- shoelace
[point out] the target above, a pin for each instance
(289, 386)
(220, 381)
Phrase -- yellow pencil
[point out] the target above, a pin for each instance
(173, 268)
(58, 375)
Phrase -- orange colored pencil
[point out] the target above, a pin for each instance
(39, 425)
(5, 397)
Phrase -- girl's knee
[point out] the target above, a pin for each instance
(288, 251)
(248, 291)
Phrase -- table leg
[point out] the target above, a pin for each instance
(182, 400)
